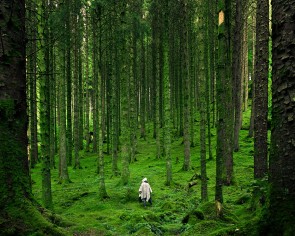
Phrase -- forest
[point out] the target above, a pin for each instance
(197, 96)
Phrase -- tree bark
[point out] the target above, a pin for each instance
(16, 200)
(45, 113)
(261, 90)
(185, 75)
(282, 159)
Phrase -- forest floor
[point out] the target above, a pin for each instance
(176, 210)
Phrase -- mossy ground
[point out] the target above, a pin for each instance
(176, 209)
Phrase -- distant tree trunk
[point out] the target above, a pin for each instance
(143, 84)
(228, 98)
(125, 141)
(167, 132)
(32, 75)
(185, 74)
(116, 97)
(237, 71)
(76, 126)
(96, 17)
(155, 24)
(133, 80)
(245, 61)
(102, 188)
(251, 128)
(69, 83)
(63, 135)
(220, 97)
(63, 164)
(212, 28)
(193, 78)
(209, 71)
(52, 103)
(87, 83)
(261, 90)
(52, 89)
(282, 159)
(45, 113)
(203, 78)
(81, 83)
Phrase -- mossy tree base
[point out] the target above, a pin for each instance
(28, 218)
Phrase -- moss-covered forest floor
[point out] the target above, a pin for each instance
(176, 210)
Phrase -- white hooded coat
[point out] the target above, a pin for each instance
(145, 190)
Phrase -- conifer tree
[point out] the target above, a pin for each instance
(261, 90)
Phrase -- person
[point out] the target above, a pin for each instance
(145, 191)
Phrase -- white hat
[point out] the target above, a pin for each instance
(144, 180)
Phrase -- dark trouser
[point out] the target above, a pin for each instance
(144, 201)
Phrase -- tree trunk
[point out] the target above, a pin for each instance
(76, 126)
(282, 160)
(87, 84)
(96, 17)
(125, 141)
(237, 71)
(69, 83)
(261, 90)
(245, 62)
(251, 128)
(32, 75)
(63, 135)
(63, 164)
(220, 97)
(16, 200)
(45, 114)
(116, 100)
(185, 75)
(203, 55)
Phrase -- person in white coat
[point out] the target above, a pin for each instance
(145, 191)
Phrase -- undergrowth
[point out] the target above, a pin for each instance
(176, 209)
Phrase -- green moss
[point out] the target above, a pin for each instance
(25, 219)
(122, 214)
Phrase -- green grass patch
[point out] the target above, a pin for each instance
(176, 209)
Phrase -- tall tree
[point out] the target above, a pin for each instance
(68, 29)
(228, 174)
(125, 66)
(143, 84)
(210, 72)
(221, 99)
(87, 80)
(203, 74)
(45, 111)
(253, 26)
(96, 44)
(237, 69)
(185, 74)
(116, 94)
(32, 76)
(63, 144)
(52, 86)
(282, 160)
(16, 200)
(76, 87)
(261, 89)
